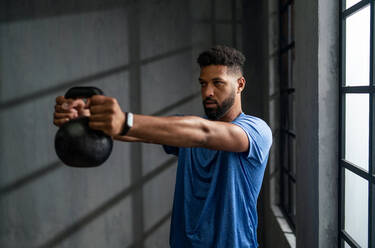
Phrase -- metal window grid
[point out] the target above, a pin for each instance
(287, 92)
(344, 90)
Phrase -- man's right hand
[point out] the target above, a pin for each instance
(67, 109)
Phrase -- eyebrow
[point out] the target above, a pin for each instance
(214, 79)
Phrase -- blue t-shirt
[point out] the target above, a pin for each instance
(216, 191)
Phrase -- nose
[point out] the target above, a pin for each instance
(207, 91)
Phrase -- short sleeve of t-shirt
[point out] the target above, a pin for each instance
(259, 135)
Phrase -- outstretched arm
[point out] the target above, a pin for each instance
(187, 131)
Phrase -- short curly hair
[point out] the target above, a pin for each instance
(222, 55)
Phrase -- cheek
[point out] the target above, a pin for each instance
(228, 91)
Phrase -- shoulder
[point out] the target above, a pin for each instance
(258, 132)
(252, 123)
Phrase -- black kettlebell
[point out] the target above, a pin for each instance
(78, 145)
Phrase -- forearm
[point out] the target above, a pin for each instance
(129, 139)
(187, 131)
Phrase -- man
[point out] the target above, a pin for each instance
(221, 158)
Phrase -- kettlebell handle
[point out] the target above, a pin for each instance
(83, 92)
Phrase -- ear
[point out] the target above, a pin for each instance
(241, 82)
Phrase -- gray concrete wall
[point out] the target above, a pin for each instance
(141, 52)
(317, 123)
(328, 99)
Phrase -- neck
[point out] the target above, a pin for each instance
(233, 112)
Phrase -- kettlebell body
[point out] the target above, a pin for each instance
(78, 145)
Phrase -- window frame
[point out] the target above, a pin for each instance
(287, 135)
(343, 91)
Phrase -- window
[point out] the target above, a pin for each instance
(357, 118)
(287, 119)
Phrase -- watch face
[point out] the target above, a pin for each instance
(129, 120)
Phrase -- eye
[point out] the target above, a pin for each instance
(203, 84)
(218, 83)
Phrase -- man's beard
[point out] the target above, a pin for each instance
(218, 112)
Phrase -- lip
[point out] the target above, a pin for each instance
(210, 104)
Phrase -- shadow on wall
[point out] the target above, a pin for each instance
(136, 186)
(27, 11)
(81, 223)
(87, 79)
(24, 10)
(44, 171)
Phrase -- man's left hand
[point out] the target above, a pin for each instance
(106, 115)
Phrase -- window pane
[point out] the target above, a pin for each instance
(358, 48)
(357, 129)
(350, 3)
(356, 207)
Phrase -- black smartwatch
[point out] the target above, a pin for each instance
(128, 123)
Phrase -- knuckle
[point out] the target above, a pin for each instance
(107, 111)
(112, 102)
(59, 99)
(58, 108)
(113, 125)
(110, 105)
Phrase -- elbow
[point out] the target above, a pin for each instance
(203, 134)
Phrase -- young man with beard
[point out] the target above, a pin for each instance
(221, 158)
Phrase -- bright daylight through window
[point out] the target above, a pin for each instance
(357, 118)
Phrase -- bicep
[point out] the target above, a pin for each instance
(226, 137)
